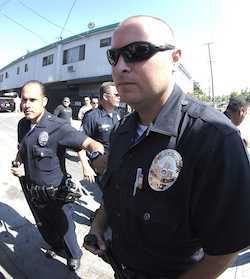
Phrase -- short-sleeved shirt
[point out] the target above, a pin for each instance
(98, 124)
(43, 148)
(83, 110)
(63, 112)
(195, 188)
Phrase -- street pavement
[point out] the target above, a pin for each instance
(22, 249)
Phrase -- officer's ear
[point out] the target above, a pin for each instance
(176, 59)
(45, 101)
(105, 96)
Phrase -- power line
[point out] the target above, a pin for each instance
(67, 18)
(48, 19)
(23, 27)
(4, 4)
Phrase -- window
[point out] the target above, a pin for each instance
(7, 75)
(105, 42)
(26, 68)
(48, 60)
(74, 54)
(18, 70)
(1, 78)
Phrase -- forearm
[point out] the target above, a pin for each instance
(100, 222)
(18, 157)
(209, 267)
(92, 145)
(98, 228)
(88, 172)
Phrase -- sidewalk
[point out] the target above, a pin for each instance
(21, 246)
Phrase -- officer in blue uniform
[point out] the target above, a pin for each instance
(42, 139)
(98, 123)
(176, 191)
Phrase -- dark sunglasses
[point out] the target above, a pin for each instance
(136, 51)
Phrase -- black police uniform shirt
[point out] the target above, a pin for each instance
(43, 148)
(195, 188)
(63, 112)
(98, 124)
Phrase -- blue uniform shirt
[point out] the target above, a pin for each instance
(195, 188)
(43, 148)
(98, 124)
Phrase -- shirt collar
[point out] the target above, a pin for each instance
(167, 121)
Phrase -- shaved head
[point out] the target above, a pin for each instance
(158, 30)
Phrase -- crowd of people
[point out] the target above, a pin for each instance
(174, 173)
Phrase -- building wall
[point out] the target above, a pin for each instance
(87, 74)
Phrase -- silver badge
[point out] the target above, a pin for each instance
(43, 138)
(164, 169)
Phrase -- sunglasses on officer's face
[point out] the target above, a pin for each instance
(136, 51)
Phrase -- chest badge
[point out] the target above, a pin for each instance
(43, 138)
(165, 169)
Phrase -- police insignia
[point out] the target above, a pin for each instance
(164, 169)
(43, 138)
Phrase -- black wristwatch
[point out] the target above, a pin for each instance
(94, 155)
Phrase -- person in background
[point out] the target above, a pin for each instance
(176, 191)
(236, 112)
(94, 103)
(42, 139)
(17, 102)
(64, 111)
(98, 123)
(86, 107)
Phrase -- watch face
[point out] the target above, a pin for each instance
(94, 154)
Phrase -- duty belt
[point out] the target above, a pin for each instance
(68, 192)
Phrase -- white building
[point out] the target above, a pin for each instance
(73, 67)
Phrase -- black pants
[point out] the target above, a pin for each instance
(58, 228)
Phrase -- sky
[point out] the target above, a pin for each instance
(221, 26)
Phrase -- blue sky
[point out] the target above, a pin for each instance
(224, 23)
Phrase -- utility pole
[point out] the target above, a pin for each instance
(212, 84)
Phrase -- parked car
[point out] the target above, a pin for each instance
(7, 104)
(222, 106)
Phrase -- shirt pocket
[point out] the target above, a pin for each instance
(43, 158)
(159, 216)
(104, 131)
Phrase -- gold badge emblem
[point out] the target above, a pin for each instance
(164, 169)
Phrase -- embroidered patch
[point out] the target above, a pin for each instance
(165, 169)
(43, 138)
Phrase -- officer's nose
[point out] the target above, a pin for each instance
(121, 66)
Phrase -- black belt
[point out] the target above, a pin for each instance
(132, 274)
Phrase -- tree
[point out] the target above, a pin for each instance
(198, 93)
(233, 94)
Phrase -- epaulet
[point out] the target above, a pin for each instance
(198, 109)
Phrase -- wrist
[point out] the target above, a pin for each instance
(94, 155)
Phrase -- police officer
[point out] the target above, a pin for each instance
(42, 139)
(98, 123)
(176, 191)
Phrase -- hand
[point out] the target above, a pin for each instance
(98, 247)
(247, 143)
(101, 163)
(17, 170)
(89, 174)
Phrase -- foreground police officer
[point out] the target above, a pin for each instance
(42, 139)
(176, 191)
